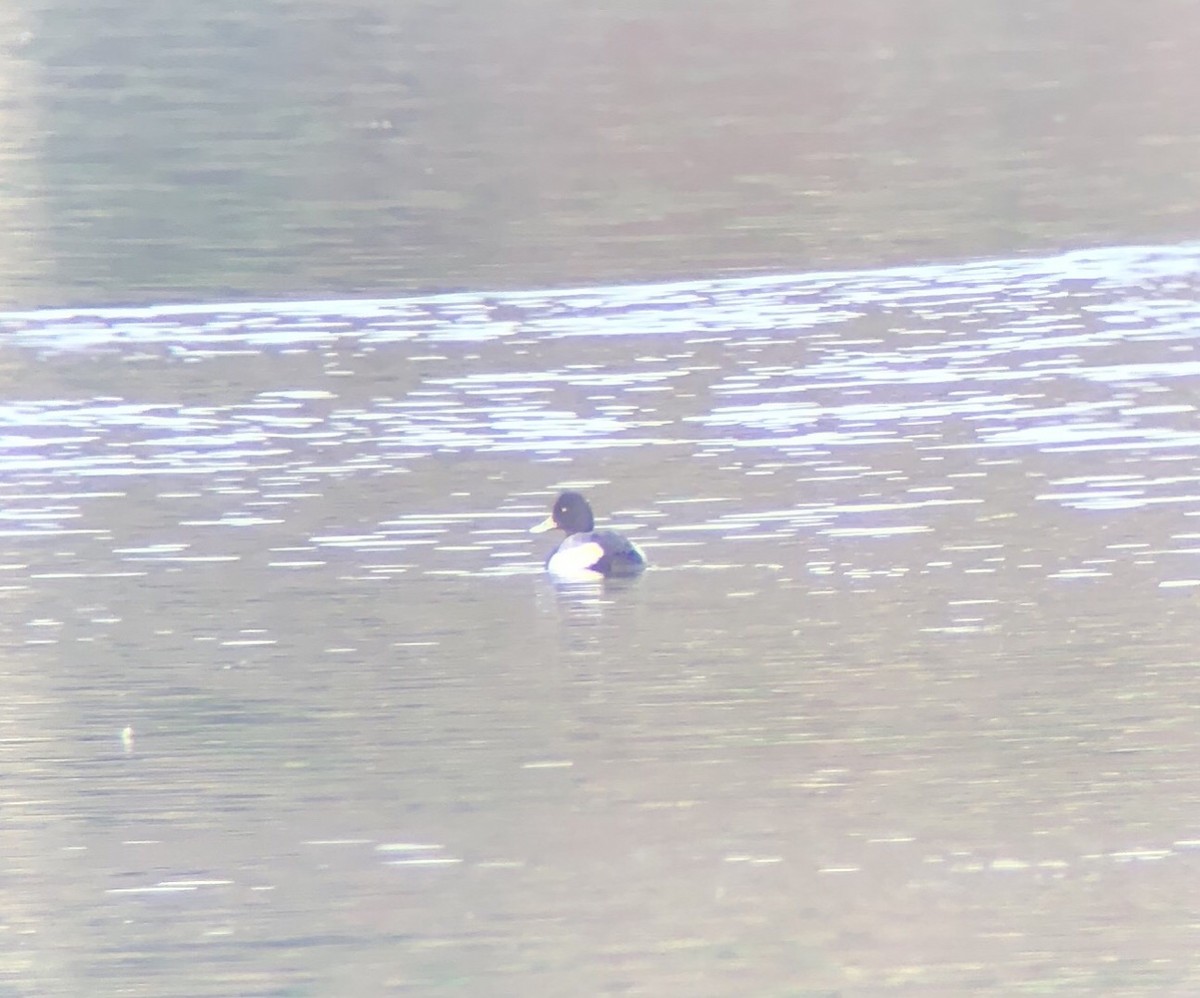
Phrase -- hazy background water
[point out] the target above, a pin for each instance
(906, 703)
(179, 151)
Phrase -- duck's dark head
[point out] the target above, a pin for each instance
(571, 514)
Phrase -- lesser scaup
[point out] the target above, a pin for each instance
(587, 553)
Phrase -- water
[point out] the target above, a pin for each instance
(226, 151)
(905, 703)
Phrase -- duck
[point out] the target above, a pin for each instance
(586, 553)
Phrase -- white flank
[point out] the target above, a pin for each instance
(576, 561)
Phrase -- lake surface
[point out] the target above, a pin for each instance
(222, 151)
(905, 704)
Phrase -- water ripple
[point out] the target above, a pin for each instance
(877, 404)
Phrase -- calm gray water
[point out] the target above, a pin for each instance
(218, 151)
(906, 703)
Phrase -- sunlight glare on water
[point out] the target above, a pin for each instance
(887, 377)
